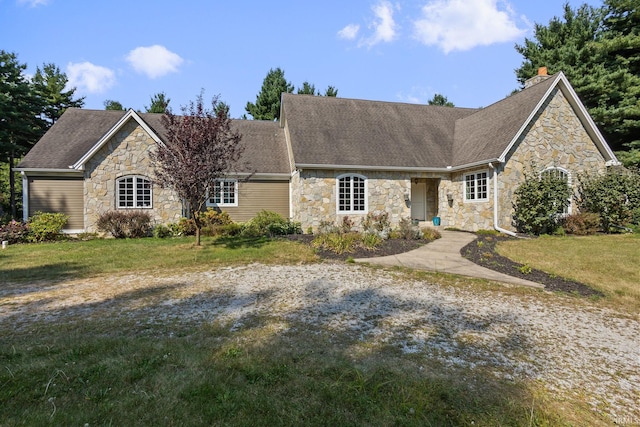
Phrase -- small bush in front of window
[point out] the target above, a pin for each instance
(377, 223)
(539, 203)
(14, 232)
(582, 224)
(268, 223)
(125, 224)
(46, 226)
(212, 217)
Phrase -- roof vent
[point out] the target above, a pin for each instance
(542, 75)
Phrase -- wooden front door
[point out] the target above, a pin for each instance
(419, 200)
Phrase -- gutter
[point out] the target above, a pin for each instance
(495, 203)
(447, 169)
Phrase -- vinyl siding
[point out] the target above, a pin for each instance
(254, 196)
(63, 195)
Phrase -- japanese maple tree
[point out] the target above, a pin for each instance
(201, 146)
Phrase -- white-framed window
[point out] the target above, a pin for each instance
(134, 192)
(565, 176)
(224, 192)
(476, 187)
(351, 192)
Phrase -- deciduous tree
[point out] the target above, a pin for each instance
(201, 147)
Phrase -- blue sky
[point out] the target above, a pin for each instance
(399, 51)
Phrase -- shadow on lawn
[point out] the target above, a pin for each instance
(237, 242)
(359, 358)
(42, 275)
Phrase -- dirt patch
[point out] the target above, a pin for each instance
(482, 251)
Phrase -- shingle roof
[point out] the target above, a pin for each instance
(77, 131)
(486, 134)
(340, 131)
(70, 138)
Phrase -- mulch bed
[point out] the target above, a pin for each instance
(482, 251)
(483, 254)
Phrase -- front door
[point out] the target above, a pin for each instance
(419, 201)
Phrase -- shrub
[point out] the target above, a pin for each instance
(371, 241)
(267, 223)
(212, 217)
(377, 223)
(327, 227)
(430, 234)
(230, 230)
(582, 224)
(14, 232)
(539, 202)
(46, 226)
(406, 230)
(614, 196)
(161, 231)
(125, 224)
(346, 225)
(337, 242)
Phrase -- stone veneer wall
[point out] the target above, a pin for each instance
(126, 153)
(469, 216)
(555, 138)
(313, 196)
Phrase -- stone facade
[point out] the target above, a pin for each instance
(313, 196)
(126, 153)
(465, 215)
(555, 139)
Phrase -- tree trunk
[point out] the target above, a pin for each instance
(197, 235)
(12, 188)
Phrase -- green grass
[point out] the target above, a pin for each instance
(125, 371)
(67, 259)
(610, 263)
(106, 373)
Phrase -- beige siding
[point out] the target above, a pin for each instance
(254, 196)
(63, 195)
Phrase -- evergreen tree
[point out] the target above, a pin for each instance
(331, 91)
(159, 103)
(439, 99)
(222, 108)
(307, 89)
(21, 109)
(598, 49)
(267, 106)
(110, 104)
(50, 84)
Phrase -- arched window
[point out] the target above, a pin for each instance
(351, 193)
(133, 192)
(564, 175)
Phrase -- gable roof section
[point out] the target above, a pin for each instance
(485, 135)
(341, 132)
(79, 134)
(70, 138)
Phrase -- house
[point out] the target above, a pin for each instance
(331, 157)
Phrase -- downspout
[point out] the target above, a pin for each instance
(495, 203)
(25, 197)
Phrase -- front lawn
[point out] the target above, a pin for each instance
(74, 259)
(610, 263)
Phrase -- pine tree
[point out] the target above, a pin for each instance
(267, 106)
(50, 84)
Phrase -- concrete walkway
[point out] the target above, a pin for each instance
(443, 255)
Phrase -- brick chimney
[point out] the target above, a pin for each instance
(542, 75)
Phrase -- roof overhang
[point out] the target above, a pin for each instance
(131, 114)
(396, 168)
(582, 113)
(43, 171)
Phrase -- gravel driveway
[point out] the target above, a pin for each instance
(570, 345)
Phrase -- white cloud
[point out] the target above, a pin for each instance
(465, 24)
(349, 32)
(154, 61)
(384, 26)
(90, 78)
(33, 3)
